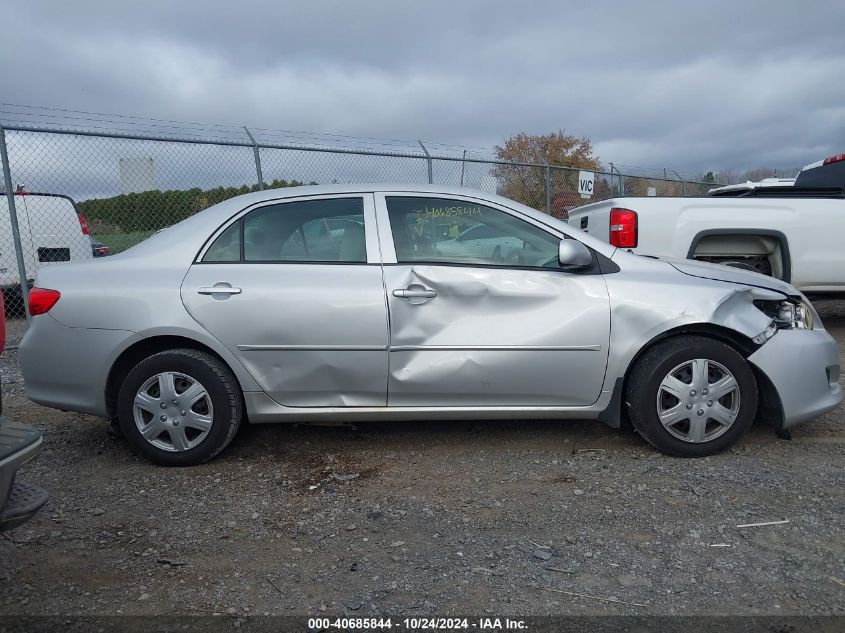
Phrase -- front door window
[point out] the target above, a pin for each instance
(441, 230)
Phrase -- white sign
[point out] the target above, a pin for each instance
(585, 183)
(137, 175)
(652, 191)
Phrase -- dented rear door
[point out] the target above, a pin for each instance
(294, 289)
(498, 334)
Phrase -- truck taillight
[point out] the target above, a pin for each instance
(833, 159)
(83, 223)
(41, 300)
(623, 228)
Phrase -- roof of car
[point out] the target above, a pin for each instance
(200, 226)
(316, 190)
(233, 205)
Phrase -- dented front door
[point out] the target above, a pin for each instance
(496, 337)
(462, 335)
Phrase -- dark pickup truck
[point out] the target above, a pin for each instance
(19, 443)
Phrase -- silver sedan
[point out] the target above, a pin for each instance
(338, 303)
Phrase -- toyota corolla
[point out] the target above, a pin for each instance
(335, 303)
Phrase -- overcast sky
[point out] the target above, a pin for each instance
(687, 85)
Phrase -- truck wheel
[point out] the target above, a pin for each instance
(179, 407)
(691, 396)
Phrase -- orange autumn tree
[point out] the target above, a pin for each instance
(527, 184)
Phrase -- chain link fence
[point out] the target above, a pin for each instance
(77, 194)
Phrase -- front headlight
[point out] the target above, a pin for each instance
(789, 314)
(797, 314)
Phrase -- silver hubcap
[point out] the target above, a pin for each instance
(698, 400)
(173, 412)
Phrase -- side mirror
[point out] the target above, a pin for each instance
(573, 255)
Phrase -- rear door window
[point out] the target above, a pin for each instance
(327, 230)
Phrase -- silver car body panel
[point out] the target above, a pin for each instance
(804, 369)
(311, 335)
(263, 409)
(651, 298)
(299, 355)
(486, 326)
(706, 270)
(67, 368)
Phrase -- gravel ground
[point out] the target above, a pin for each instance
(15, 329)
(430, 519)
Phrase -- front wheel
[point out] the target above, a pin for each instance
(179, 407)
(691, 396)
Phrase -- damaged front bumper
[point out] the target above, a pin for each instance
(803, 367)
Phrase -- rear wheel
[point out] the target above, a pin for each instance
(692, 396)
(179, 407)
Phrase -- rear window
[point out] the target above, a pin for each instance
(830, 175)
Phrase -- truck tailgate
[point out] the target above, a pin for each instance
(593, 218)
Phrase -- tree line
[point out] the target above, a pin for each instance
(522, 181)
(155, 209)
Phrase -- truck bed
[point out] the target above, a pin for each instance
(795, 238)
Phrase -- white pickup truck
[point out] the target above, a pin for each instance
(791, 230)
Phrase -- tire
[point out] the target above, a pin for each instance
(690, 431)
(154, 397)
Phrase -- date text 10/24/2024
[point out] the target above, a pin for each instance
(418, 624)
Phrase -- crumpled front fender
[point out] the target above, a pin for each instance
(643, 312)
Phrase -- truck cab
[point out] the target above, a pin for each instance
(786, 229)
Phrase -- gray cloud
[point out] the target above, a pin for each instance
(689, 86)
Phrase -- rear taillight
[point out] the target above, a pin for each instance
(623, 228)
(833, 159)
(83, 223)
(41, 300)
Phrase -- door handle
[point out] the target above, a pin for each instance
(415, 293)
(218, 290)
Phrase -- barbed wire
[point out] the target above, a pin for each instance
(69, 119)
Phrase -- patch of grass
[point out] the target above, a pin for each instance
(118, 242)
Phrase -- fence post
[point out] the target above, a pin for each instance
(683, 184)
(548, 178)
(428, 158)
(13, 220)
(257, 159)
(463, 166)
